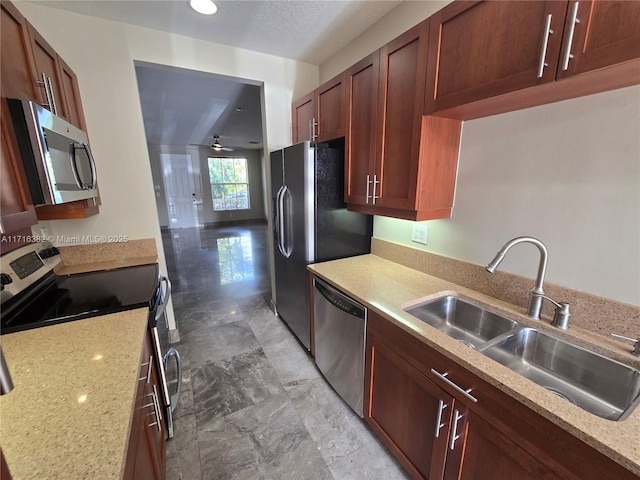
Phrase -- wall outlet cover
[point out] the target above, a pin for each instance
(419, 233)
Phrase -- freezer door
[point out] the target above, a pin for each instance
(293, 237)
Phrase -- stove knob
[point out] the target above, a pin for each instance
(5, 279)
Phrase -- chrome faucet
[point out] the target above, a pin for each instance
(536, 295)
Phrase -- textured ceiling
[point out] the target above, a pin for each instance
(306, 30)
(182, 107)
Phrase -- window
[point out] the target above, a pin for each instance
(229, 183)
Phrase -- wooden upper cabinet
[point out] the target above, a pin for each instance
(483, 49)
(492, 56)
(361, 129)
(330, 103)
(399, 162)
(403, 66)
(49, 77)
(320, 116)
(598, 34)
(18, 67)
(302, 114)
(75, 113)
(17, 213)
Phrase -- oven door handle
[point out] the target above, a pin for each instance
(172, 352)
(165, 301)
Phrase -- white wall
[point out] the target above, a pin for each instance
(567, 173)
(102, 53)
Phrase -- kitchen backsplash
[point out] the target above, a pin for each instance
(590, 312)
(77, 258)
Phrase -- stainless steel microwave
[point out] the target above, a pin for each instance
(56, 155)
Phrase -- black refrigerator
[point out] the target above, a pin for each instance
(311, 224)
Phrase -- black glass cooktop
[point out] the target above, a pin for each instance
(58, 299)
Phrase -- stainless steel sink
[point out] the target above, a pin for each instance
(464, 321)
(598, 384)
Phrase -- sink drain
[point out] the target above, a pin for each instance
(560, 394)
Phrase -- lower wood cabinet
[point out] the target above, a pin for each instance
(437, 431)
(146, 454)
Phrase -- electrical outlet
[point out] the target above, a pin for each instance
(44, 232)
(419, 233)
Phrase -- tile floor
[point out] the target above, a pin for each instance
(253, 404)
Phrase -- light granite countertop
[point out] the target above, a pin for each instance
(387, 288)
(70, 411)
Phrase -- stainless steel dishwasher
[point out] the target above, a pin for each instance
(340, 328)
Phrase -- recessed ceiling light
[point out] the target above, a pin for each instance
(206, 7)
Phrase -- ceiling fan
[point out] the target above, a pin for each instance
(216, 145)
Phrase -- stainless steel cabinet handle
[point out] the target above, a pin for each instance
(572, 28)
(147, 377)
(439, 424)
(545, 43)
(54, 108)
(46, 85)
(375, 183)
(367, 194)
(314, 124)
(454, 432)
(466, 393)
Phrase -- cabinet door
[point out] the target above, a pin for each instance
(403, 64)
(18, 67)
(480, 50)
(410, 414)
(478, 441)
(330, 109)
(302, 114)
(16, 209)
(46, 60)
(72, 95)
(360, 136)
(146, 453)
(598, 34)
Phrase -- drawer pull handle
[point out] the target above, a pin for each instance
(466, 393)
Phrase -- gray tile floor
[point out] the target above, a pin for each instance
(253, 404)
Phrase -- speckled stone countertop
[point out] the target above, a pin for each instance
(69, 414)
(387, 287)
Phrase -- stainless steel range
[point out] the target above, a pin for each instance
(33, 296)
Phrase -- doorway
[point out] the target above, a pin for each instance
(180, 192)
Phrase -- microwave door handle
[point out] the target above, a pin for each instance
(74, 165)
(92, 165)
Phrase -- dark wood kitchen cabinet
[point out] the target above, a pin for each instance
(438, 432)
(485, 57)
(604, 33)
(399, 162)
(146, 454)
(17, 213)
(320, 115)
(25, 55)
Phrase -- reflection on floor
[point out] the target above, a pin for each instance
(253, 405)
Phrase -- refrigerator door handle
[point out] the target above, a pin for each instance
(284, 220)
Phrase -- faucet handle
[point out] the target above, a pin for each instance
(636, 350)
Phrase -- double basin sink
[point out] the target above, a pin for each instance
(593, 382)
